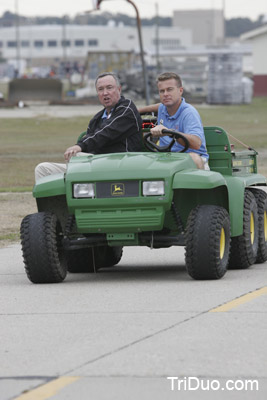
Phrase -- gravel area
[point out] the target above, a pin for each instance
(35, 110)
(13, 207)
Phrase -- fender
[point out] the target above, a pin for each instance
(198, 179)
(203, 180)
(51, 185)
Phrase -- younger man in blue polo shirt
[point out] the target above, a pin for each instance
(175, 114)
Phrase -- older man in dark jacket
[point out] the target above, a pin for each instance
(115, 129)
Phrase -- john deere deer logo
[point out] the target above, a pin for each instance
(117, 189)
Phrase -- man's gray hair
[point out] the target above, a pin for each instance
(108, 74)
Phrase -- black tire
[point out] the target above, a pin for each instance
(90, 260)
(207, 242)
(112, 256)
(43, 253)
(244, 248)
(261, 199)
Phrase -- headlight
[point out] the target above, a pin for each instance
(153, 188)
(81, 190)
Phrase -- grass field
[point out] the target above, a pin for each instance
(246, 122)
(26, 142)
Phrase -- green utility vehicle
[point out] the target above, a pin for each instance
(155, 198)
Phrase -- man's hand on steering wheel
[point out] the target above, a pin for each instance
(159, 131)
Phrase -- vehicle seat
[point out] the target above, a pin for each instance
(219, 149)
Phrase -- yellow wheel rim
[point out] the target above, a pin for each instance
(265, 225)
(252, 228)
(222, 244)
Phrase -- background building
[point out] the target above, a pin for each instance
(258, 39)
(77, 53)
(42, 45)
(207, 25)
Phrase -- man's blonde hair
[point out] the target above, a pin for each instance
(170, 75)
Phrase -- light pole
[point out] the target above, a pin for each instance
(141, 51)
(157, 37)
(97, 6)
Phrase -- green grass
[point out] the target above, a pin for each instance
(247, 122)
(27, 142)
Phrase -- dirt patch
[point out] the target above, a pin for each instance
(13, 207)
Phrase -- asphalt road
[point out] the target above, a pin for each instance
(119, 334)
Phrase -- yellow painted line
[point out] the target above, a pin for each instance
(240, 300)
(49, 389)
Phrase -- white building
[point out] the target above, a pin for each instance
(50, 44)
(258, 39)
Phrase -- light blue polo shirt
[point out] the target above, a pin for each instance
(105, 115)
(185, 120)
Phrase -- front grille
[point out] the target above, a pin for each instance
(126, 220)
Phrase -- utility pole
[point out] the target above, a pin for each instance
(64, 39)
(223, 12)
(17, 38)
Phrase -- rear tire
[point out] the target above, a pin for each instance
(244, 248)
(207, 242)
(42, 248)
(81, 260)
(112, 256)
(261, 199)
(90, 260)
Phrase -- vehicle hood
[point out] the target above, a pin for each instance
(127, 166)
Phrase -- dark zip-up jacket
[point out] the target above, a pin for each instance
(121, 132)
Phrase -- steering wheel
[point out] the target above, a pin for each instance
(174, 135)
